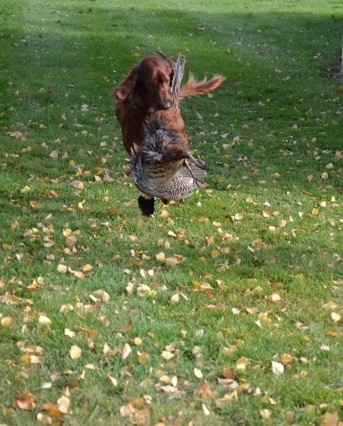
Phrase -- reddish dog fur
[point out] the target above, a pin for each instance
(146, 93)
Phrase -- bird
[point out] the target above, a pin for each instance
(164, 168)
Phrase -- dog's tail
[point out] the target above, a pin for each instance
(195, 88)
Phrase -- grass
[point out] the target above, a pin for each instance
(253, 270)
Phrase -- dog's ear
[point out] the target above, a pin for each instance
(126, 87)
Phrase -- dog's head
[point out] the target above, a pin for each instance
(148, 85)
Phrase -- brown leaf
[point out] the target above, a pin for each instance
(126, 327)
(228, 373)
(286, 358)
(26, 401)
(205, 391)
(143, 357)
(77, 184)
(330, 419)
(35, 204)
(51, 409)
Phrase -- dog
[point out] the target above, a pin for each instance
(146, 92)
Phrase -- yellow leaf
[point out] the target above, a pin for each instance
(87, 267)
(62, 269)
(277, 368)
(6, 321)
(126, 351)
(175, 298)
(35, 204)
(286, 358)
(63, 404)
(137, 341)
(275, 297)
(69, 333)
(54, 154)
(160, 256)
(103, 295)
(266, 413)
(75, 352)
(198, 373)
(205, 410)
(242, 363)
(43, 319)
(171, 261)
(25, 189)
(78, 274)
(143, 357)
(114, 381)
(167, 355)
(335, 317)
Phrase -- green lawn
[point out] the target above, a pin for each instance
(222, 310)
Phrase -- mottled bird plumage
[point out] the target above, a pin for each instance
(163, 167)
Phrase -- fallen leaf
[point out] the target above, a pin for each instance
(75, 352)
(62, 269)
(143, 357)
(226, 399)
(63, 404)
(69, 333)
(51, 409)
(275, 297)
(286, 358)
(160, 256)
(6, 321)
(26, 401)
(228, 373)
(102, 295)
(167, 355)
(266, 413)
(114, 381)
(205, 409)
(335, 317)
(277, 368)
(54, 154)
(77, 184)
(237, 217)
(126, 351)
(198, 373)
(87, 268)
(43, 319)
(325, 348)
(330, 419)
(25, 190)
(242, 363)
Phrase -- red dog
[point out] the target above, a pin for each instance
(146, 91)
